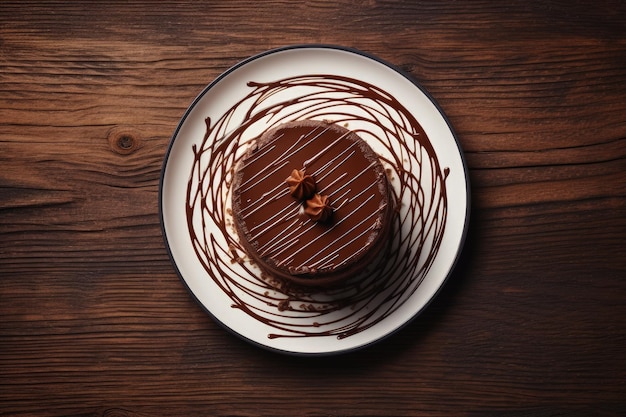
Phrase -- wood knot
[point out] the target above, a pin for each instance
(124, 140)
(120, 412)
(115, 412)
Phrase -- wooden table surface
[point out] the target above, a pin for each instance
(94, 320)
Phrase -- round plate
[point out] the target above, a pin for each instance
(399, 120)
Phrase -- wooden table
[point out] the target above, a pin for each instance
(96, 322)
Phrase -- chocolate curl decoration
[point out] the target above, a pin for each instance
(301, 185)
(318, 208)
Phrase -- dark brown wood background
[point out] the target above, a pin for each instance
(94, 320)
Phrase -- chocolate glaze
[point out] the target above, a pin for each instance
(418, 184)
(270, 221)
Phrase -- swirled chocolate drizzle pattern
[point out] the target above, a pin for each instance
(417, 180)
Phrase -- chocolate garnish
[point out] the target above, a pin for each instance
(301, 186)
(318, 208)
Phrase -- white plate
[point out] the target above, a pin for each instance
(386, 108)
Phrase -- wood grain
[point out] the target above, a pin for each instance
(94, 320)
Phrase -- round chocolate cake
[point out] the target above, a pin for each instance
(311, 203)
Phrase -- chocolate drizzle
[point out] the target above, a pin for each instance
(418, 182)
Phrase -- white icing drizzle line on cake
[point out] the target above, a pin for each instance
(350, 182)
(307, 244)
(291, 151)
(333, 162)
(335, 253)
(264, 200)
(351, 199)
(284, 157)
(326, 149)
(288, 211)
(282, 242)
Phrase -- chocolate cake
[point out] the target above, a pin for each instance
(311, 203)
